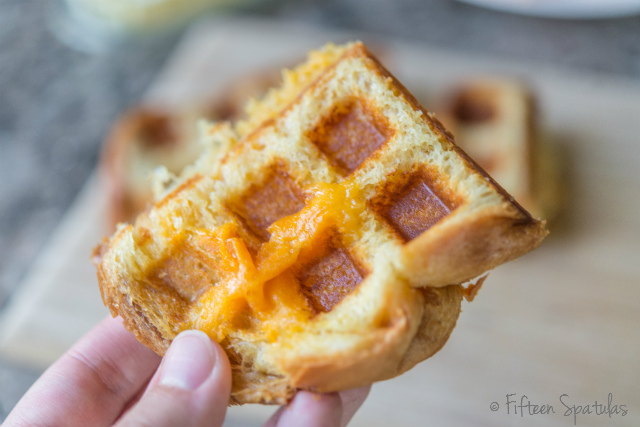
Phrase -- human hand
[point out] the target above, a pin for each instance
(109, 379)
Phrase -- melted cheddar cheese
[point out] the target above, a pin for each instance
(263, 288)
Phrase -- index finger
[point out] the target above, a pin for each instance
(91, 383)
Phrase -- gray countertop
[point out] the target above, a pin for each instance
(56, 103)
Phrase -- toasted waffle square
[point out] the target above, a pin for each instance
(349, 135)
(325, 249)
(277, 196)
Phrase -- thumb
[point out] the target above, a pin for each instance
(191, 387)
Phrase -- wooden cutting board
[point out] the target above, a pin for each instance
(559, 326)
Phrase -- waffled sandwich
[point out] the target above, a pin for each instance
(143, 139)
(326, 247)
(495, 122)
(150, 140)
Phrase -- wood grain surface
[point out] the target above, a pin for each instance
(559, 326)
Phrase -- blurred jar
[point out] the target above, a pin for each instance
(95, 24)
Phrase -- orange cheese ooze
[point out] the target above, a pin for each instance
(262, 290)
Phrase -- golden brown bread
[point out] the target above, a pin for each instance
(325, 248)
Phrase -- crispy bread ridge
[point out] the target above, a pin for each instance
(154, 274)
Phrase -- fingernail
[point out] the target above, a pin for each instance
(189, 361)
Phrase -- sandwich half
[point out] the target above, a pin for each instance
(323, 240)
